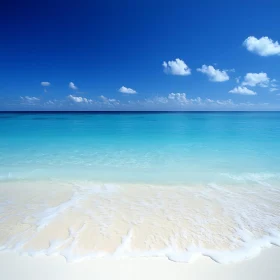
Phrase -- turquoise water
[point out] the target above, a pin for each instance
(161, 148)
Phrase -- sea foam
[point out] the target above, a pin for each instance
(85, 220)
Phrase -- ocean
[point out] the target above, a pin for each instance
(130, 184)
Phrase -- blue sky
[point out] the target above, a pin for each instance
(140, 55)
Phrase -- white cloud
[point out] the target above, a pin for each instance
(242, 90)
(172, 101)
(273, 85)
(263, 46)
(50, 102)
(126, 90)
(256, 79)
(72, 86)
(179, 101)
(197, 100)
(176, 67)
(209, 100)
(29, 98)
(178, 97)
(78, 99)
(109, 101)
(45, 84)
(225, 102)
(214, 75)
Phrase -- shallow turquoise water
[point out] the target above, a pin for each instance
(161, 148)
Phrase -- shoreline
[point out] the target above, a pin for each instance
(263, 266)
(83, 221)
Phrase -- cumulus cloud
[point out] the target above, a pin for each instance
(214, 75)
(225, 102)
(174, 102)
(126, 90)
(176, 67)
(210, 100)
(179, 101)
(109, 101)
(72, 86)
(243, 91)
(45, 84)
(104, 101)
(256, 79)
(263, 46)
(29, 100)
(178, 97)
(273, 85)
(50, 102)
(78, 99)
(197, 100)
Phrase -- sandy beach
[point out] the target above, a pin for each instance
(85, 220)
(13, 267)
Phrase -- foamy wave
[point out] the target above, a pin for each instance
(250, 250)
(85, 220)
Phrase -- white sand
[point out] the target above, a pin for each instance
(13, 267)
(85, 220)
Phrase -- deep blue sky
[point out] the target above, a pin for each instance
(101, 46)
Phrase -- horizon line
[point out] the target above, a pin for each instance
(136, 111)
